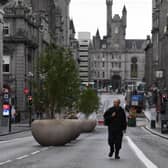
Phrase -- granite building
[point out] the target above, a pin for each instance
(114, 60)
(28, 27)
(157, 50)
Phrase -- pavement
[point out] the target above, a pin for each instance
(15, 128)
(157, 129)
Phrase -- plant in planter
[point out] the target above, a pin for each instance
(88, 103)
(57, 89)
(60, 82)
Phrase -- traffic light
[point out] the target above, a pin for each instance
(30, 100)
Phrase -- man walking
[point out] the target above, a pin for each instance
(115, 119)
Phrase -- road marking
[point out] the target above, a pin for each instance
(140, 154)
(22, 157)
(33, 153)
(8, 161)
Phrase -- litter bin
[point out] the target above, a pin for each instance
(131, 122)
(152, 124)
(164, 126)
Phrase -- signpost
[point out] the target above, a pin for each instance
(6, 108)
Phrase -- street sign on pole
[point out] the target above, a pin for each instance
(6, 110)
(26, 90)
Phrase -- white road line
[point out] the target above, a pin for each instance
(22, 157)
(8, 161)
(140, 154)
(33, 153)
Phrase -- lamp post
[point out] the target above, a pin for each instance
(29, 97)
(1, 57)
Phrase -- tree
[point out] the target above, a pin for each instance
(88, 102)
(60, 79)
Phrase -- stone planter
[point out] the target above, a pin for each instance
(75, 127)
(51, 132)
(88, 125)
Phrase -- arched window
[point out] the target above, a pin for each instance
(134, 67)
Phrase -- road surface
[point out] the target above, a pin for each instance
(140, 149)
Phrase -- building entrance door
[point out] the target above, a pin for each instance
(116, 82)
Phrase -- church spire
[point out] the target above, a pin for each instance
(124, 9)
(97, 33)
(124, 16)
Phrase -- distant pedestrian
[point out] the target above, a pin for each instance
(13, 112)
(115, 119)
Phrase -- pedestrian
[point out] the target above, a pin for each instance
(115, 119)
(13, 112)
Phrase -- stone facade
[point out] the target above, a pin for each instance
(29, 26)
(158, 61)
(110, 57)
(20, 51)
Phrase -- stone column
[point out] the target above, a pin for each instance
(1, 57)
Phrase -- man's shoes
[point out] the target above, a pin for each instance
(110, 154)
(117, 157)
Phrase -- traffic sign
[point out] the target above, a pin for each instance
(26, 91)
(6, 110)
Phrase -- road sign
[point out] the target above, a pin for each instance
(6, 110)
(6, 97)
(26, 91)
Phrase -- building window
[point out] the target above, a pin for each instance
(98, 74)
(119, 65)
(103, 45)
(103, 74)
(6, 29)
(112, 65)
(103, 64)
(134, 68)
(6, 64)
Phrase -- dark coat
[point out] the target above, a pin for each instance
(117, 123)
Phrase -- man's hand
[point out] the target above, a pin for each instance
(113, 114)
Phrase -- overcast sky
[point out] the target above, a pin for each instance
(88, 15)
